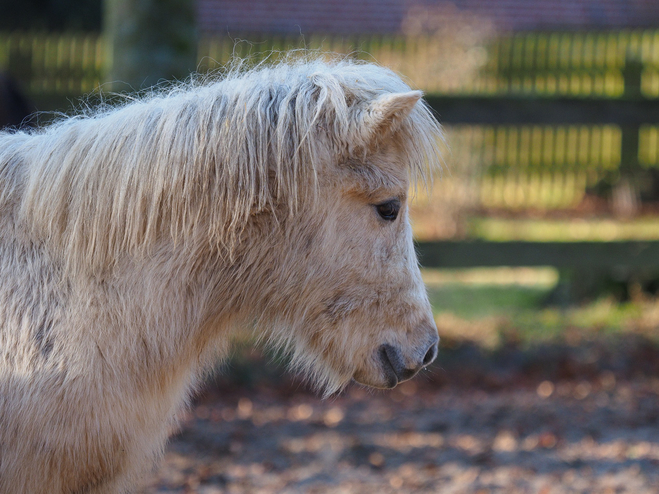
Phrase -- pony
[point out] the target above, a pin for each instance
(135, 239)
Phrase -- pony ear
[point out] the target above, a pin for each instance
(385, 114)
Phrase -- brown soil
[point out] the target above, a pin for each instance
(516, 429)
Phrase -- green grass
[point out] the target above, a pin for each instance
(596, 319)
(470, 307)
(474, 302)
(563, 230)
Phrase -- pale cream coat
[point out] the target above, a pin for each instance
(133, 240)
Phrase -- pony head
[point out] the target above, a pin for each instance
(343, 291)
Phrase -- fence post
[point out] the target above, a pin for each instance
(148, 41)
(626, 200)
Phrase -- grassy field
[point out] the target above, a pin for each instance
(563, 230)
(494, 306)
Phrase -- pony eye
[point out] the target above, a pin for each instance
(388, 210)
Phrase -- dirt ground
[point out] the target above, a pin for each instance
(576, 428)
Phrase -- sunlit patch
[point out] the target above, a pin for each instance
(545, 389)
(300, 412)
(244, 409)
(333, 417)
(406, 441)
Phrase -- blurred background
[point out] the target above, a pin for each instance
(539, 242)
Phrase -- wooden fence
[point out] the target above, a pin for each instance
(68, 65)
(548, 64)
(546, 163)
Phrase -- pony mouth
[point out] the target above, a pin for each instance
(386, 360)
(391, 379)
(386, 378)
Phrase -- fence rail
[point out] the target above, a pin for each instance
(623, 256)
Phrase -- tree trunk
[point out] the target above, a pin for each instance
(148, 41)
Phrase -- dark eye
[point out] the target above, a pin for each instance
(388, 210)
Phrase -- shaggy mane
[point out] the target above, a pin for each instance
(197, 159)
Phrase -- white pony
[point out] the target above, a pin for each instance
(134, 240)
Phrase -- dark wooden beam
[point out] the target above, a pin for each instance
(581, 255)
(516, 110)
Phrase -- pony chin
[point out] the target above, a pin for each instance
(320, 372)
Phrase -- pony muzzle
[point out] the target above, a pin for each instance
(397, 368)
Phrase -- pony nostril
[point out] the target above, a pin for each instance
(394, 366)
(430, 354)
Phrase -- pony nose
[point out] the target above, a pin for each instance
(431, 354)
(394, 366)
